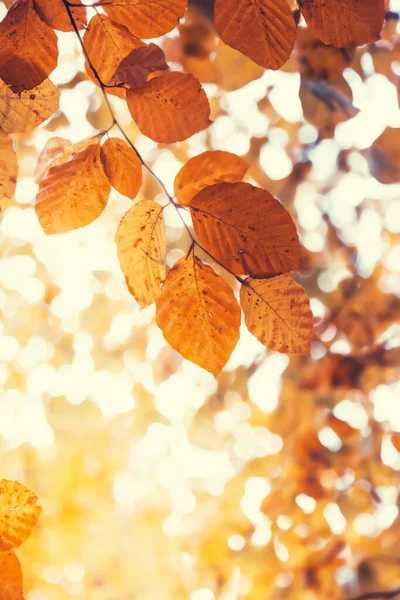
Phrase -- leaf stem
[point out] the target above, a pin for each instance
(115, 123)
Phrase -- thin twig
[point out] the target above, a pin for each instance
(378, 595)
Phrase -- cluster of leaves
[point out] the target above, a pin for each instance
(19, 514)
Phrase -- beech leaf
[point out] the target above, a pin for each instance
(263, 30)
(8, 166)
(22, 112)
(345, 23)
(11, 582)
(28, 47)
(277, 312)
(54, 148)
(141, 248)
(54, 13)
(18, 514)
(198, 314)
(170, 108)
(208, 168)
(122, 167)
(246, 229)
(146, 18)
(74, 190)
(135, 68)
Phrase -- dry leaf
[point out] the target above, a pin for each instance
(170, 108)
(141, 248)
(198, 314)
(384, 156)
(11, 584)
(107, 44)
(246, 229)
(28, 48)
(22, 112)
(263, 30)
(54, 147)
(8, 166)
(74, 191)
(207, 169)
(18, 514)
(135, 68)
(122, 167)
(54, 13)
(277, 312)
(344, 23)
(146, 18)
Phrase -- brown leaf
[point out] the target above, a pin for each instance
(8, 166)
(277, 312)
(11, 584)
(22, 112)
(246, 229)
(139, 64)
(141, 248)
(384, 156)
(54, 13)
(54, 147)
(207, 169)
(345, 23)
(170, 108)
(74, 191)
(28, 47)
(263, 30)
(146, 18)
(107, 44)
(198, 314)
(122, 167)
(18, 514)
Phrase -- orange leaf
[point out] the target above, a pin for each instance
(54, 13)
(18, 514)
(28, 47)
(263, 30)
(122, 167)
(170, 108)
(277, 312)
(139, 64)
(207, 169)
(8, 166)
(246, 229)
(107, 44)
(11, 584)
(141, 247)
(345, 23)
(74, 191)
(146, 18)
(198, 314)
(21, 112)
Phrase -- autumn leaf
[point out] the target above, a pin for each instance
(135, 68)
(21, 112)
(263, 30)
(208, 168)
(384, 156)
(277, 312)
(344, 23)
(18, 514)
(170, 108)
(8, 166)
(246, 229)
(54, 147)
(107, 44)
(28, 47)
(11, 584)
(141, 248)
(146, 18)
(54, 13)
(198, 314)
(122, 167)
(74, 190)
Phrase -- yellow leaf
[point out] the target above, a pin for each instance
(122, 167)
(8, 166)
(18, 514)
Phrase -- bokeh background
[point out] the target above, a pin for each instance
(281, 479)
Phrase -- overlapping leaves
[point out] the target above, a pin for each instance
(19, 514)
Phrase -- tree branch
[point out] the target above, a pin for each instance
(378, 595)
